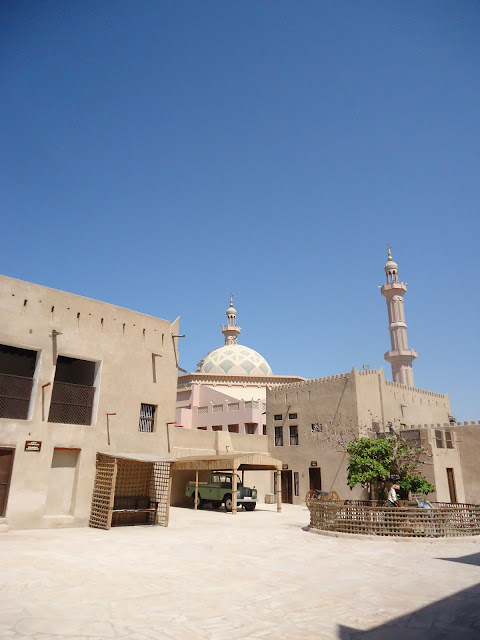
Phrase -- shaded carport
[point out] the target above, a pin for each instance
(232, 462)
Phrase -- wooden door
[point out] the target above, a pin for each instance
(6, 464)
(315, 478)
(287, 493)
(451, 485)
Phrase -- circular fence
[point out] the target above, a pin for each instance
(366, 517)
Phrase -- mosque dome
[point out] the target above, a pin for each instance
(235, 360)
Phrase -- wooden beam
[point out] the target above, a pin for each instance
(196, 489)
(234, 491)
(279, 490)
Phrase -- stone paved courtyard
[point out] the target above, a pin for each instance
(214, 576)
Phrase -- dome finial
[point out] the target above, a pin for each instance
(231, 330)
(391, 268)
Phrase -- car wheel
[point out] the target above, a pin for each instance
(199, 501)
(250, 506)
(228, 502)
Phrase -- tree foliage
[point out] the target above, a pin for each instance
(373, 462)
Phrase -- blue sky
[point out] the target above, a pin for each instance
(159, 155)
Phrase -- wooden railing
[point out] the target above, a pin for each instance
(443, 520)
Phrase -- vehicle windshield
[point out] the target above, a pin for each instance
(225, 478)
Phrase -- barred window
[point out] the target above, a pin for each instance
(293, 435)
(317, 427)
(292, 416)
(233, 406)
(448, 439)
(296, 483)
(278, 416)
(279, 436)
(147, 418)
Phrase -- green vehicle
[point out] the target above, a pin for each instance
(218, 491)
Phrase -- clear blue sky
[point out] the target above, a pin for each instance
(158, 155)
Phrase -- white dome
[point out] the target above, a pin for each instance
(234, 360)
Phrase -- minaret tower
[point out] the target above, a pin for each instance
(231, 329)
(400, 356)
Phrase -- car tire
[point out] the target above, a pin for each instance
(228, 502)
(199, 503)
(249, 506)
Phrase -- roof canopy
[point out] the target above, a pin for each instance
(139, 457)
(227, 462)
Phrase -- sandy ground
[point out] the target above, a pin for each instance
(214, 576)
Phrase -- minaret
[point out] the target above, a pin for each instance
(231, 329)
(400, 356)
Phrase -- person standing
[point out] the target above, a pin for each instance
(392, 496)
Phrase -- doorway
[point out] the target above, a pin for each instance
(315, 479)
(451, 485)
(6, 464)
(287, 487)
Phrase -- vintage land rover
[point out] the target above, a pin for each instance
(218, 491)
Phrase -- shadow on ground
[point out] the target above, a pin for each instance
(473, 558)
(453, 618)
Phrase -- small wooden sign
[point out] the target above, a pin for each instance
(33, 445)
(284, 466)
(313, 463)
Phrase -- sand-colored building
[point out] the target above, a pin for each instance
(77, 377)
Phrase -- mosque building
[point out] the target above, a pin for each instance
(227, 391)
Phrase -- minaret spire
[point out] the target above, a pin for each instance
(231, 329)
(399, 356)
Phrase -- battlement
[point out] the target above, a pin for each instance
(306, 383)
(439, 426)
(367, 372)
(398, 385)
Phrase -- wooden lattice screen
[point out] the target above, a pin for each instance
(129, 492)
(443, 520)
(103, 492)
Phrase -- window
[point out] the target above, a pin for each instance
(279, 436)
(202, 409)
(317, 427)
(73, 391)
(217, 427)
(17, 369)
(296, 483)
(292, 416)
(217, 408)
(202, 428)
(147, 418)
(293, 435)
(264, 429)
(439, 438)
(448, 439)
(278, 416)
(233, 406)
(233, 428)
(250, 427)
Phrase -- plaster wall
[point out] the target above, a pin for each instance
(121, 343)
(468, 441)
(315, 401)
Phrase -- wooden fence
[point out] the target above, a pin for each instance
(444, 520)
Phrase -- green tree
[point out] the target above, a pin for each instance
(373, 461)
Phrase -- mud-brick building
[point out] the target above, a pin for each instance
(77, 377)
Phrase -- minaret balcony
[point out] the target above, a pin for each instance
(406, 355)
